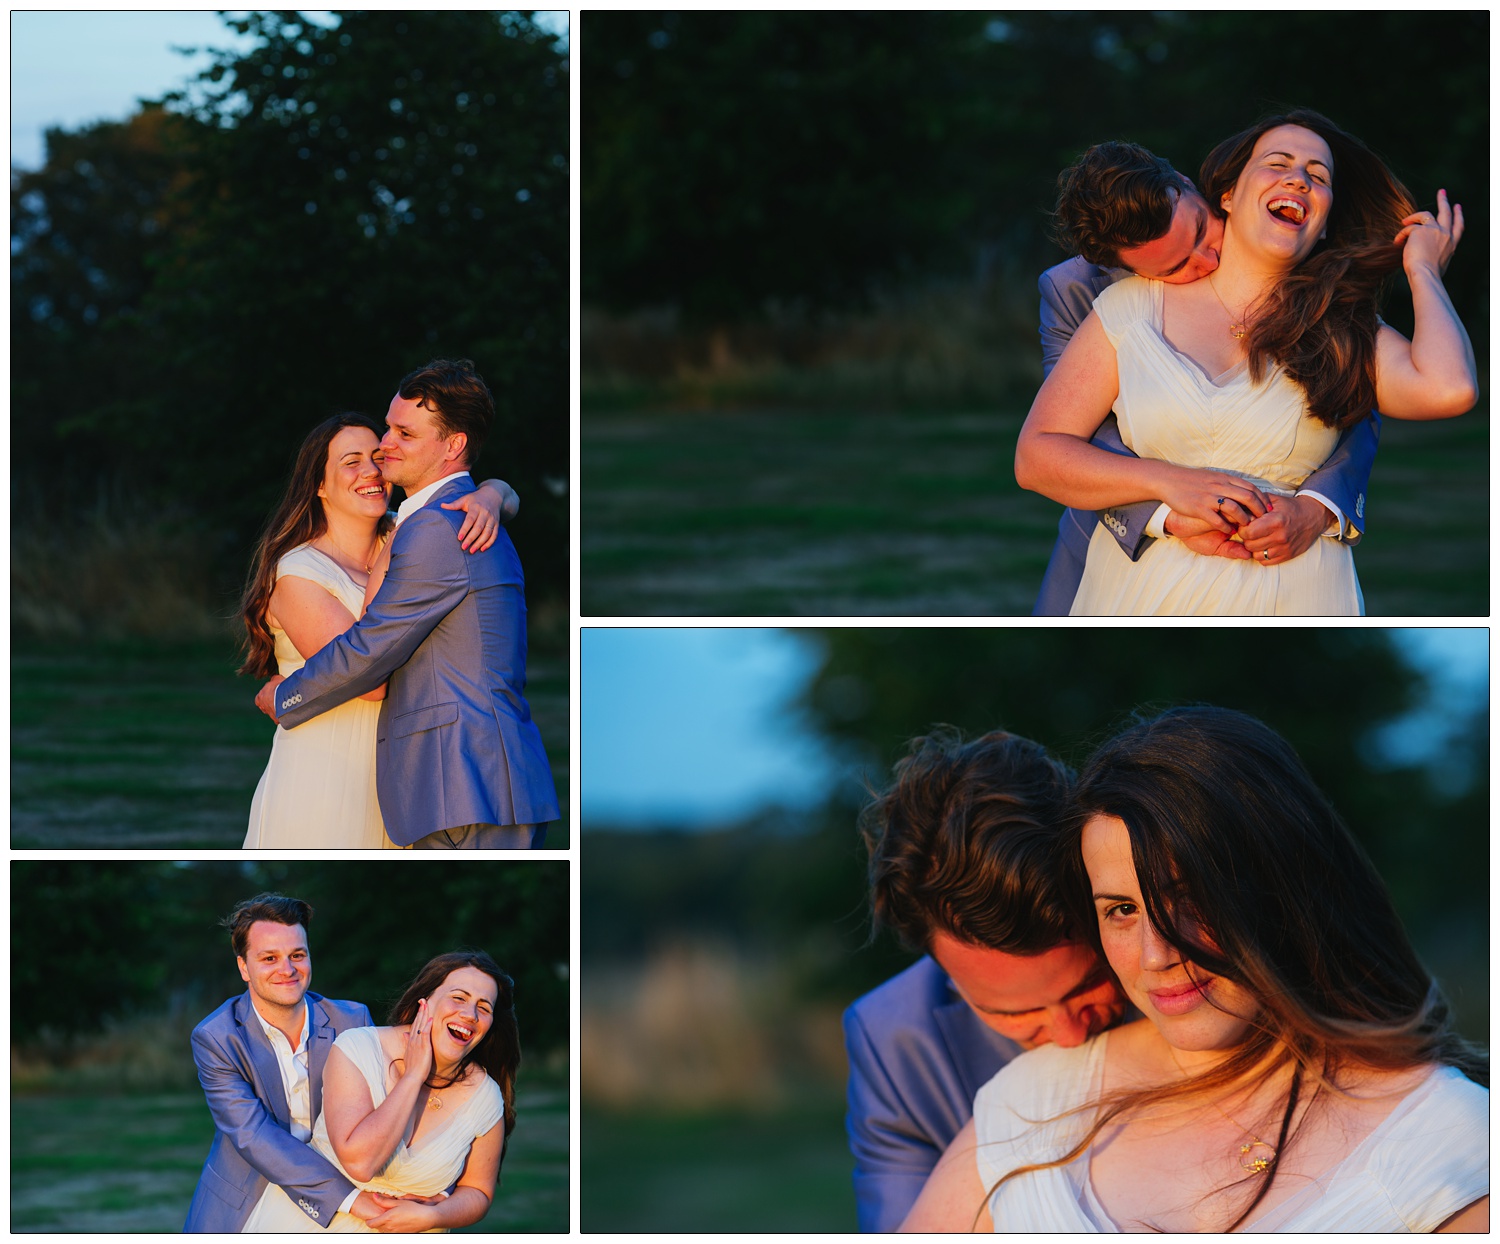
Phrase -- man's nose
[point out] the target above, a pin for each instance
(1069, 1028)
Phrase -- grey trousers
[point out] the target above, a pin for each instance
(484, 838)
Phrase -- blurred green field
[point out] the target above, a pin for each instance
(133, 745)
(130, 1164)
(720, 1172)
(855, 513)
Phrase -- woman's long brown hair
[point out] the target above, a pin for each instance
(498, 1052)
(1319, 322)
(297, 519)
(1227, 828)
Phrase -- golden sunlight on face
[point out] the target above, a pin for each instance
(1191, 1009)
(1284, 196)
(1062, 996)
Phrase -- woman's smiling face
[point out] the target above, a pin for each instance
(1284, 195)
(1190, 1008)
(352, 481)
(462, 1009)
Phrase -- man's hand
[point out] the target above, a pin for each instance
(265, 698)
(368, 1205)
(1199, 537)
(1291, 527)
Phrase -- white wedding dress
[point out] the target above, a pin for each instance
(432, 1167)
(1168, 409)
(1427, 1159)
(318, 790)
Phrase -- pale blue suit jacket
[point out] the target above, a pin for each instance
(254, 1145)
(1068, 291)
(917, 1055)
(456, 744)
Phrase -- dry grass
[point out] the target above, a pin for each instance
(948, 345)
(143, 1054)
(702, 1027)
(111, 568)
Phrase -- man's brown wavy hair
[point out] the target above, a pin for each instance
(1115, 195)
(1320, 321)
(963, 842)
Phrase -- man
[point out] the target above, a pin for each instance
(260, 1058)
(1123, 211)
(962, 868)
(459, 761)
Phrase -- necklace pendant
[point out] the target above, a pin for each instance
(1256, 1166)
(1237, 331)
(434, 1102)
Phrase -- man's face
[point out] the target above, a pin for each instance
(1061, 997)
(1189, 249)
(413, 453)
(276, 964)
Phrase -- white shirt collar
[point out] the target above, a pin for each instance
(422, 496)
(270, 1027)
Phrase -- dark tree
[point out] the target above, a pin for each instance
(336, 206)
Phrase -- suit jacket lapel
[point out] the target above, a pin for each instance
(263, 1059)
(319, 1042)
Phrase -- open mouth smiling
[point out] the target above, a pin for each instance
(1287, 209)
(461, 1033)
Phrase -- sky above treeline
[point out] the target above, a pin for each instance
(71, 68)
(693, 727)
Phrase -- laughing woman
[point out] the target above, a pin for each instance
(1296, 1068)
(1233, 389)
(421, 1107)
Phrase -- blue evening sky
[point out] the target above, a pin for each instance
(690, 727)
(71, 68)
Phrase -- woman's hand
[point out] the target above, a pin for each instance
(408, 1216)
(1219, 499)
(418, 1057)
(485, 509)
(1429, 240)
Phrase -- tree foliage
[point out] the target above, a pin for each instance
(118, 939)
(334, 207)
(732, 159)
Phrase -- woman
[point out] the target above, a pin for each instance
(421, 1106)
(317, 566)
(1234, 388)
(1296, 1069)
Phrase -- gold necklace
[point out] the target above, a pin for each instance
(1237, 330)
(1248, 1163)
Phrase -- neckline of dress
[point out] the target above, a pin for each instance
(1292, 1203)
(1159, 327)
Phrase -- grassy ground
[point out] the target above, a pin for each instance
(714, 1173)
(130, 1164)
(891, 514)
(144, 746)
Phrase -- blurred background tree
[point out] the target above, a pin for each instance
(194, 288)
(141, 940)
(735, 160)
(716, 962)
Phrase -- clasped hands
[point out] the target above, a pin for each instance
(385, 1213)
(1241, 521)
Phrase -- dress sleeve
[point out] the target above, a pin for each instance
(1021, 1116)
(1437, 1160)
(1121, 305)
(490, 1109)
(304, 563)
